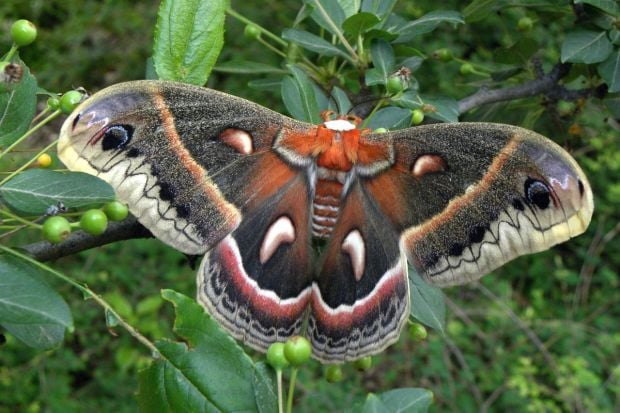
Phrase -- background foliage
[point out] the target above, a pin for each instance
(539, 334)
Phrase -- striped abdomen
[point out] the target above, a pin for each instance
(326, 203)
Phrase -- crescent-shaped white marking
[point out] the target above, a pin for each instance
(279, 232)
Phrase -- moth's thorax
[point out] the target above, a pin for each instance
(337, 148)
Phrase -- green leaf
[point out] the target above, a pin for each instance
(247, 68)
(313, 42)
(608, 6)
(380, 8)
(407, 400)
(299, 97)
(427, 23)
(341, 100)
(360, 23)
(373, 76)
(206, 371)
(610, 71)
(17, 108)
(390, 117)
(33, 191)
(427, 302)
(265, 390)
(446, 108)
(403, 400)
(188, 38)
(269, 83)
(332, 21)
(478, 9)
(586, 47)
(350, 7)
(29, 308)
(382, 57)
(413, 63)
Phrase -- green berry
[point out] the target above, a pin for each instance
(394, 85)
(94, 221)
(23, 32)
(417, 116)
(333, 373)
(443, 55)
(53, 103)
(417, 332)
(276, 357)
(69, 101)
(297, 350)
(525, 24)
(363, 364)
(466, 69)
(380, 130)
(115, 211)
(251, 31)
(56, 229)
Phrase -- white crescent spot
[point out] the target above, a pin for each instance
(339, 125)
(281, 231)
(353, 245)
(238, 139)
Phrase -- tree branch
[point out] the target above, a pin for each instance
(546, 85)
(130, 228)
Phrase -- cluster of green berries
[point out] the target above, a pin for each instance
(93, 221)
(297, 350)
(67, 102)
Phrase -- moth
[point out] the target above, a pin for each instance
(215, 175)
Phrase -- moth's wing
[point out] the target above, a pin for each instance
(174, 153)
(360, 299)
(257, 281)
(467, 198)
(198, 168)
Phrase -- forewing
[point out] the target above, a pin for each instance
(174, 153)
(467, 198)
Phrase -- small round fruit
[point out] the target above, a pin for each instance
(94, 221)
(417, 332)
(363, 364)
(394, 85)
(380, 130)
(333, 373)
(56, 229)
(443, 55)
(466, 69)
(53, 103)
(251, 31)
(23, 32)
(297, 350)
(115, 211)
(44, 160)
(276, 357)
(417, 116)
(525, 24)
(69, 101)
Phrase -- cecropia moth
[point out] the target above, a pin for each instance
(251, 190)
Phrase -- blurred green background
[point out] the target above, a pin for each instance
(540, 334)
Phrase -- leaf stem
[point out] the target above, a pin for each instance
(337, 31)
(11, 52)
(27, 164)
(271, 47)
(280, 398)
(291, 390)
(19, 219)
(245, 20)
(88, 293)
(374, 110)
(30, 132)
